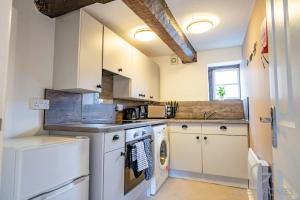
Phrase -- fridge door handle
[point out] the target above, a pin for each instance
(55, 192)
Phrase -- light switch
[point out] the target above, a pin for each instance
(39, 104)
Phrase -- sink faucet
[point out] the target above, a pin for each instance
(208, 116)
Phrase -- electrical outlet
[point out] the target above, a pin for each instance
(39, 104)
(119, 107)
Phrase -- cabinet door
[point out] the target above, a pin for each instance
(116, 53)
(154, 81)
(90, 56)
(139, 84)
(114, 164)
(225, 155)
(185, 152)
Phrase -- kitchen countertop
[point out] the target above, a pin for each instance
(105, 128)
(213, 121)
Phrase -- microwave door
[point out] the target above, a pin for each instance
(75, 190)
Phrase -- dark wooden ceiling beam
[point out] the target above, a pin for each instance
(157, 15)
(55, 8)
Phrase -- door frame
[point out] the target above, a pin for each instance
(5, 31)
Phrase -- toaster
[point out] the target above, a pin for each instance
(157, 112)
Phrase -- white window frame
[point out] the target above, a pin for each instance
(213, 86)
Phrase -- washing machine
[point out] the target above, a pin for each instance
(161, 158)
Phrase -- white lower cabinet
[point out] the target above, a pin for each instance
(114, 162)
(209, 149)
(225, 155)
(185, 152)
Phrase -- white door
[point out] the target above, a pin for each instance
(5, 20)
(225, 155)
(77, 190)
(114, 163)
(91, 32)
(284, 47)
(116, 53)
(185, 152)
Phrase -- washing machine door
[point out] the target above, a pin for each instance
(163, 154)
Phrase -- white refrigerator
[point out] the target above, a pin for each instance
(45, 167)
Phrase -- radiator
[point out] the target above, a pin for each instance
(259, 178)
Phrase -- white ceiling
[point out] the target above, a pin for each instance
(233, 18)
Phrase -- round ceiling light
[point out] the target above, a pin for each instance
(200, 26)
(144, 35)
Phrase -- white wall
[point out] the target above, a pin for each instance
(256, 86)
(189, 82)
(30, 67)
(5, 22)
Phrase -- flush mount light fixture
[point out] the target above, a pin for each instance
(200, 26)
(144, 35)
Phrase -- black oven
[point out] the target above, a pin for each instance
(131, 179)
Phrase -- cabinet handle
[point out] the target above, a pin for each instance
(205, 138)
(120, 70)
(123, 154)
(98, 86)
(197, 137)
(184, 126)
(116, 137)
(223, 128)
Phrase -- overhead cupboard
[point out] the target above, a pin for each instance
(83, 47)
(143, 82)
(137, 76)
(78, 53)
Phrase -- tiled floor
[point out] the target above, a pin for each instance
(179, 189)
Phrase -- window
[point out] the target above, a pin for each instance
(227, 77)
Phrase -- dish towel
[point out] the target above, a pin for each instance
(132, 164)
(141, 157)
(149, 154)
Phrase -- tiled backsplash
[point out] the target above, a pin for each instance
(224, 109)
(68, 107)
(64, 107)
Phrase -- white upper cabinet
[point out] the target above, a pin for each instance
(116, 53)
(154, 82)
(78, 53)
(143, 81)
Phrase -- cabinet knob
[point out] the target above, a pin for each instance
(151, 97)
(116, 137)
(205, 138)
(198, 138)
(98, 86)
(184, 126)
(120, 70)
(123, 153)
(223, 128)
